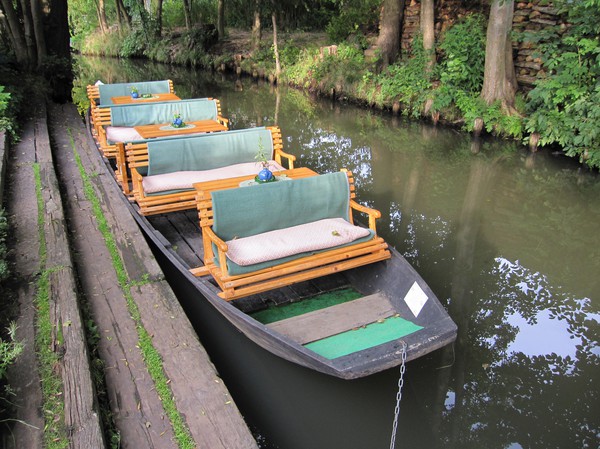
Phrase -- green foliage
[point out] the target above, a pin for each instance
(564, 107)
(9, 350)
(108, 44)
(354, 17)
(462, 50)
(136, 43)
(289, 54)
(6, 122)
(460, 73)
(300, 73)
(461, 66)
(407, 81)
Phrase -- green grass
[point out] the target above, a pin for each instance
(151, 356)
(55, 436)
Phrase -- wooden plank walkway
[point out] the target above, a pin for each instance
(200, 396)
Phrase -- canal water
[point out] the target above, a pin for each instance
(509, 241)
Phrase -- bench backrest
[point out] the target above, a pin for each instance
(153, 113)
(107, 91)
(247, 211)
(208, 151)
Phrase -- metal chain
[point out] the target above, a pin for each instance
(398, 396)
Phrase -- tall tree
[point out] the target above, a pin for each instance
(102, 16)
(499, 79)
(123, 16)
(390, 24)
(43, 26)
(275, 47)
(158, 8)
(187, 13)
(38, 27)
(427, 24)
(15, 32)
(221, 19)
(28, 29)
(256, 28)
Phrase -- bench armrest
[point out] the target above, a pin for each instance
(223, 121)
(373, 214)
(280, 154)
(209, 238)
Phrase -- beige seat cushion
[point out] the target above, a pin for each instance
(313, 236)
(122, 134)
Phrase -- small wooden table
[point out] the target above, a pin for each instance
(166, 129)
(126, 99)
(205, 188)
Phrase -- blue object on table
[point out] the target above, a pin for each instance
(265, 175)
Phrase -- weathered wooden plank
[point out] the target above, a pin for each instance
(81, 407)
(336, 319)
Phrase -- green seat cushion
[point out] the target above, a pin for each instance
(208, 151)
(107, 91)
(163, 112)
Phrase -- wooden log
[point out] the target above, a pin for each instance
(81, 408)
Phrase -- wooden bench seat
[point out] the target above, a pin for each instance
(234, 214)
(216, 151)
(131, 116)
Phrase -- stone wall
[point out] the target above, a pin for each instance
(532, 16)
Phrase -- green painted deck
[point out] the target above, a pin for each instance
(363, 338)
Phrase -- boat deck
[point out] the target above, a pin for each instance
(182, 231)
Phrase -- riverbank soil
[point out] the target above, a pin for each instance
(137, 417)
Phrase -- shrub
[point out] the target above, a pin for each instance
(407, 81)
(353, 16)
(6, 121)
(564, 106)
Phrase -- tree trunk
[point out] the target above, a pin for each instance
(158, 16)
(123, 15)
(102, 16)
(499, 80)
(221, 19)
(256, 29)
(275, 48)
(38, 28)
(28, 31)
(187, 12)
(390, 22)
(58, 39)
(427, 30)
(15, 32)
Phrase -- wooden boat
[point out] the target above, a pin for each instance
(377, 315)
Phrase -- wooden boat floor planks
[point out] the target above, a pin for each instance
(336, 319)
